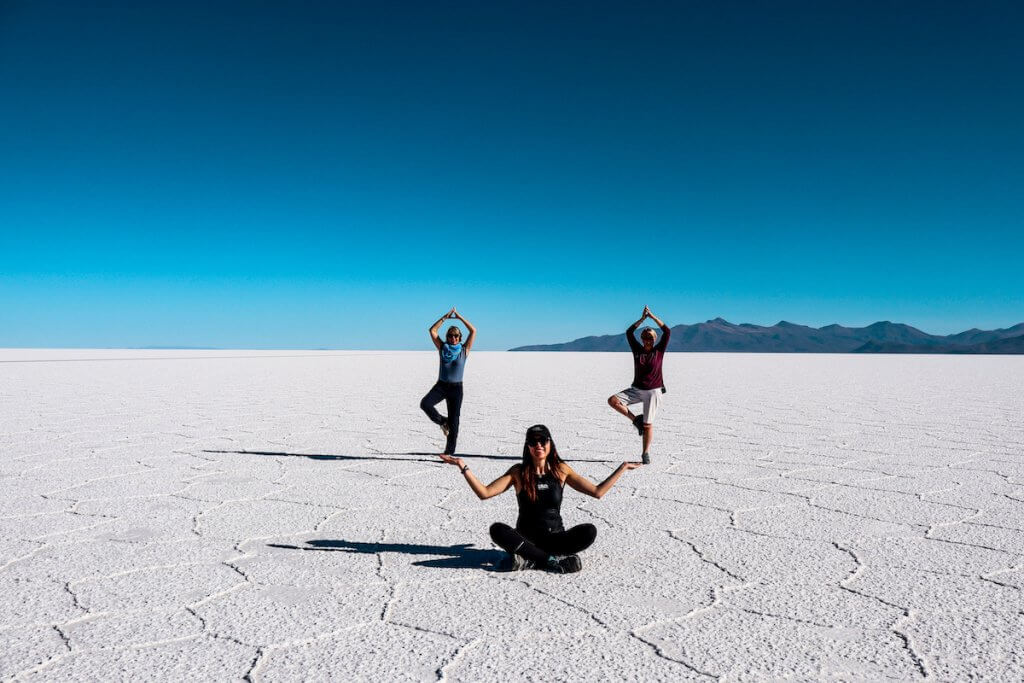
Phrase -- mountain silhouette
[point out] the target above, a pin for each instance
(720, 335)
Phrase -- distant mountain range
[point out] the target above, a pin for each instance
(785, 337)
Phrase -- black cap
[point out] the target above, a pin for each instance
(538, 430)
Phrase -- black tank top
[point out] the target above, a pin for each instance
(541, 515)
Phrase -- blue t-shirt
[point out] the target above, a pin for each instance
(451, 371)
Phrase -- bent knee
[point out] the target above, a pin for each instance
(498, 530)
(588, 532)
(614, 401)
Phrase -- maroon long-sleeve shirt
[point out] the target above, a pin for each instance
(647, 364)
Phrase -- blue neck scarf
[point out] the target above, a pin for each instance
(450, 352)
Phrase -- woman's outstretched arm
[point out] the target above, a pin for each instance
(584, 485)
(499, 485)
(436, 326)
(469, 326)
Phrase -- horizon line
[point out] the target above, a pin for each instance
(193, 347)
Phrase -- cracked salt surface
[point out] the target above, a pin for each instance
(236, 515)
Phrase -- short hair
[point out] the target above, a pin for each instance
(648, 330)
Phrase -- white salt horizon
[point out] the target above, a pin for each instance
(276, 515)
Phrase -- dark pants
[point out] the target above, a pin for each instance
(538, 547)
(451, 394)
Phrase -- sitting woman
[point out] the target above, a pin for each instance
(539, 539)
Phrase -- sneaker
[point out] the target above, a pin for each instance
(646, 458)
(638, 422)
(514, 563)
(444, 429)
(568, 565)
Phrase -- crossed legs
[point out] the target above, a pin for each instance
(539, 549)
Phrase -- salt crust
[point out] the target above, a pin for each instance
(212, 515)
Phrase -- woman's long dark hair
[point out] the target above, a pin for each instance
(529, 477)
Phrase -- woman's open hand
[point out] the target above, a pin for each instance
(451, 460)
(631, 465)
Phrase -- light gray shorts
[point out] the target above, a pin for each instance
(651, 398)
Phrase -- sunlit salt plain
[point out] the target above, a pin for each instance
(218, 515)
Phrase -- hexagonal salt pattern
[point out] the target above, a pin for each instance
(282, 516)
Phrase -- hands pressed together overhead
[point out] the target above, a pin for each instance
(453, 315)
(648, 314)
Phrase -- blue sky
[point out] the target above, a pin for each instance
(294, 175)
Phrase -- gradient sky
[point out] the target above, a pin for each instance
(331, 174)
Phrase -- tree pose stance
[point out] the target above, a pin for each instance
(539, 539)
(648, 385)
(453, 354)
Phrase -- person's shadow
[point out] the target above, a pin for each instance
(385, 456)
(459, 556)
(331, 456)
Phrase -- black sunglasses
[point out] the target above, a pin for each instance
(537, 441)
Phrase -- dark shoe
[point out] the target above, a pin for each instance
(638, 422)
(568, 565)
(646, 458)
(514, 563)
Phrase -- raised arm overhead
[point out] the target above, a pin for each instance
(436, 326)
(656, 319)
(469, 326)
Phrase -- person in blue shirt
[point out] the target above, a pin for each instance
(452, 353)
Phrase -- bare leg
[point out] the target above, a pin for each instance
(616, 405)
(648, 432)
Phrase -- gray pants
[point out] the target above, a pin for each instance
(651, 398)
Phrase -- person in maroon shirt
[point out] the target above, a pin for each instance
(648, 385)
